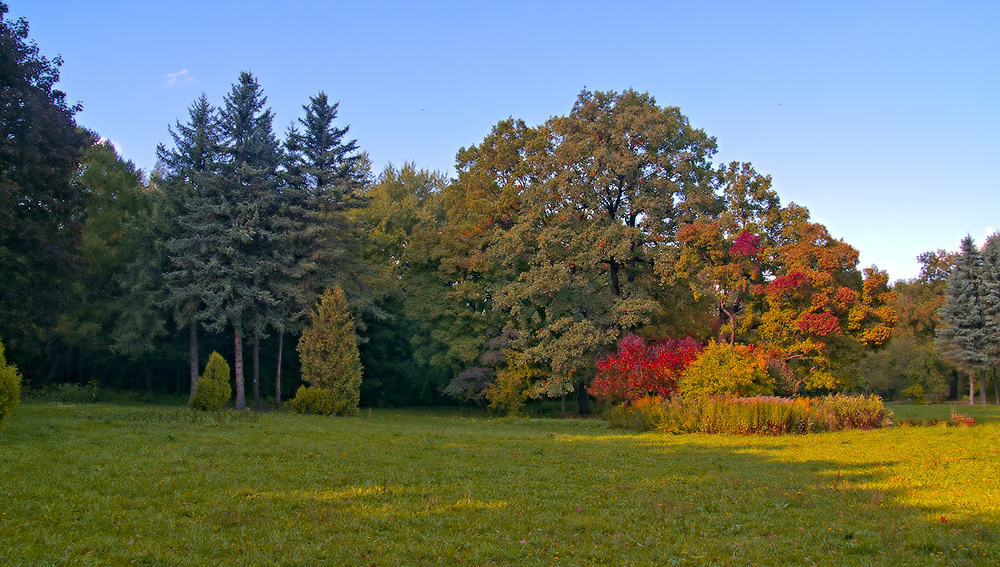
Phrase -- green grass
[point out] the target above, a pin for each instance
(918, 413)
(120, 485)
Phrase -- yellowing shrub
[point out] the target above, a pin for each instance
(722, 368)
(314, 400)
(10, 388)
(213, 389)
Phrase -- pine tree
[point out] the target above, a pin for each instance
(238, 215)
(187, 172)
(324, 175)
(963, 336)
(991, 309)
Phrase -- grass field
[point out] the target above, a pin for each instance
(95, 484)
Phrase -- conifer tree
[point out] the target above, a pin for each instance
(181, 217)
(328, 349)
(240, 211)
(991, 309)
(963, 336)
(324, 177)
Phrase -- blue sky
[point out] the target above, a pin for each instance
(881, 117)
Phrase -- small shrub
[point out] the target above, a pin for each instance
(637, 370)
(959, 420)
(512, 387)
(10, 388)
(853, 412)
(213, 389)
(739, 370)
(314, 400)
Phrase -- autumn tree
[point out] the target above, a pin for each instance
(617, 177)
(727, 253)
(822, 312)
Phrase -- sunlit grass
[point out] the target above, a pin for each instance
(110, 485)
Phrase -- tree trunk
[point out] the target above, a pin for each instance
(562, 404)
(256, 370)
(277, 377)
(616, 289)
(193, 349)
(972, 387)
(241, 398)
(996, 386)
(149, 381)
(982, 387)
(583, 399)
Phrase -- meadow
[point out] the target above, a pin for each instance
(102, 484)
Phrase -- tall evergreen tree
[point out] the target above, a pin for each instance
(991, 310)
(246, 248)
(324, 175)
(187, 175)
(963, 337)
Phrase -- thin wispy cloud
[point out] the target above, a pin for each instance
(180, 77)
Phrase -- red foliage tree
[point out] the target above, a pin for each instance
(638, 370)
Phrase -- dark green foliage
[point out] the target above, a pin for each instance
(213, 389)
(963, 336)
(10, 387)
(328, 350)
(40, 207)
(907, 369)
(314, 400)
(187, 170)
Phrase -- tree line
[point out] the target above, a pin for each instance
(508, 281)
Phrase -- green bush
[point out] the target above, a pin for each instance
(10, 388)
(213, 389)
(314, 400)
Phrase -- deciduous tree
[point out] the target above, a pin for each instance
(40, 207)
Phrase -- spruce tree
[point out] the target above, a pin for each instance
(324, 175)
(242, 209)
(181, 215)
(963, 336)
(991, 309)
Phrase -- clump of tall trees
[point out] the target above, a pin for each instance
(509, 282)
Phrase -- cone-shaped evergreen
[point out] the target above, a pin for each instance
(325, 176)
(10, 388)
(187, 172)
(328, 350)
(963, 335)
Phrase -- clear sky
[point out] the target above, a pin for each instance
(883, 118)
